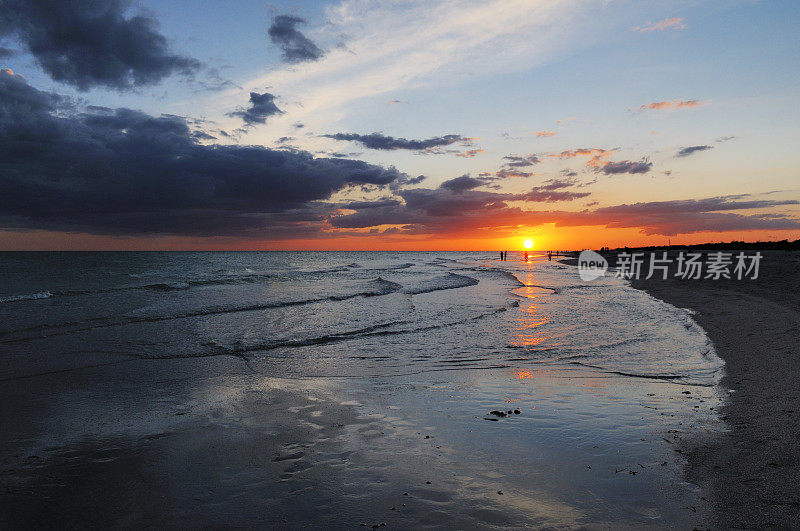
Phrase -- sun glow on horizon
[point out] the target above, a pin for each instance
(528, 244)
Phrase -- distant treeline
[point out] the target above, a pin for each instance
(782, 245)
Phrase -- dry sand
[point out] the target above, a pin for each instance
(750, 474)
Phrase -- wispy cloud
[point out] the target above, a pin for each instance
(674, 104)
(468, 154)
(686, 151)
(597, 156)
(675, 23)
(390, 143)
(516, 161)
(600, 161)
(506, 173)
(625, 166)
(544, 134)
(400, 45)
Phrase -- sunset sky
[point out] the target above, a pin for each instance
(403, 125)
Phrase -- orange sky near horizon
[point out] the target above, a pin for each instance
(546, 237)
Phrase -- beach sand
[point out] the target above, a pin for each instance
(751, 473)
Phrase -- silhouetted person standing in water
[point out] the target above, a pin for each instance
(550, 256)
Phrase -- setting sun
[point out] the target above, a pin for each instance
(528, 244)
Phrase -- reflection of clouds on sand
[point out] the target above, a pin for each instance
(576, 426)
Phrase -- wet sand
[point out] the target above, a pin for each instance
(205, 443)
(751, 473)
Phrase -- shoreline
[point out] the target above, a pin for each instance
(750, 473)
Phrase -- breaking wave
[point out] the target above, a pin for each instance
(28, 297)
(448, 281)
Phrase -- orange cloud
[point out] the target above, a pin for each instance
(675, 104)
(599, 157)
(675, 23)
(471, 153)
(544, 134)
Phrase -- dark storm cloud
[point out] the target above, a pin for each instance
(685, 152)
(295, 46)
(202, 135)
(120, 171)
(404, 181)
(262, 106)
(461, 184)
(390, 143)
(365, 205)
(5, 53)
(625, 166)
(92, 44)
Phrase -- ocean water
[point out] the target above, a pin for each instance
(338, 314)
(106, 350)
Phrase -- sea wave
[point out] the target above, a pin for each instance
(381, 329)
(448, 281)
(372, 288)
(169, 286)
(224, 278)
(27, 297)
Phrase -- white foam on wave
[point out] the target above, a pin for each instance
(619, 329)
(28, 297)
(448, 281)
(382, 286)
